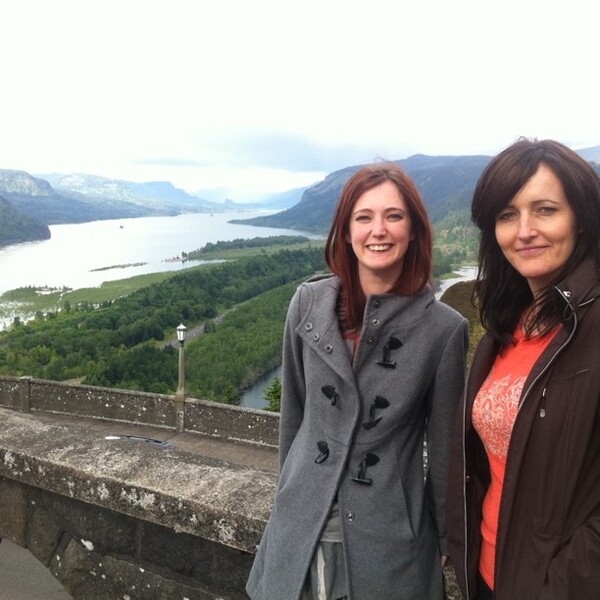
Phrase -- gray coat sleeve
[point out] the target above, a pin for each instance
(293, 386)
(443, 398)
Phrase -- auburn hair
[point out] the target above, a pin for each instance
(340, 257)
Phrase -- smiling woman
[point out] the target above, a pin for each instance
(524, 500)
(372, 364)
(536, 230)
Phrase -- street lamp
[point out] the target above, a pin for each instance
(181, 332)
(180, 394)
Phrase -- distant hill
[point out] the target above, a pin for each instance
(277, 201)
(284, 200)
(154, 197)
(446, 183)
(82, 198)
(16, 227)
(590, 154)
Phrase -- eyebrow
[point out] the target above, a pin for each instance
(390, 209)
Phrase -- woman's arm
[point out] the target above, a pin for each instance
(293, 387)
(444, 395)
(575, 570)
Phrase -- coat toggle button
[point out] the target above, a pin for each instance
(368, 461)
(331, 393)
(324, 452)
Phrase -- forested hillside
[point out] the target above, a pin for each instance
(16, 227)
(446, 183)
(119, 343)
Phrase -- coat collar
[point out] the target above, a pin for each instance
(327, 288)
(319, 328)
(581, 286)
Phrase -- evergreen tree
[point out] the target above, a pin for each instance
(273, 395)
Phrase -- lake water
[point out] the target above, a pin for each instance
(462, 274)
(75, 251)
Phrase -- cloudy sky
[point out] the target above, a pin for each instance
(267, 95)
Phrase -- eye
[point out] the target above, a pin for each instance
(505, 215)
(547, 210)
(362, 218)
(395, 216)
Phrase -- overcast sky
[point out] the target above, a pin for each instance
(269, 95)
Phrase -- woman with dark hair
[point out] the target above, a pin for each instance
(524, 500)
(372, 366)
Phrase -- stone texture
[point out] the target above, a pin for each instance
(43, 533)
(13, 516)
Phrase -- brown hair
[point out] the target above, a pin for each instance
(503, 295)
(341, 258)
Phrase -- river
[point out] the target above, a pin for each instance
(82, 255)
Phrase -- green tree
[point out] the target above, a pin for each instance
(273, 395)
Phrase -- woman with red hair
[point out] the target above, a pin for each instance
(373, 366)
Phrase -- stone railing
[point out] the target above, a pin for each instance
(102, 487)
(198, 416)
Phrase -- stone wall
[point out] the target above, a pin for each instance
(101, 554)
(118, 500)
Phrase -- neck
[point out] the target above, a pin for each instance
(376, 286)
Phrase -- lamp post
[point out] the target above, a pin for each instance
(180, 394)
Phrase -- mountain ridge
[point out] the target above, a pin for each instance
(445, 181)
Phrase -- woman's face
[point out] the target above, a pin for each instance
(380, 230)
(536, 230)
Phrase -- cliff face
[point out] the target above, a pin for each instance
(20, 182)
(458, 296)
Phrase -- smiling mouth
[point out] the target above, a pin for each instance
(379, 247)
(531, 248)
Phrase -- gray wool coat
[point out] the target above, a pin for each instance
(355, 431)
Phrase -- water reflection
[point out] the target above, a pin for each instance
(255, 396)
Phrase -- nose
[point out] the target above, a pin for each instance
(379, 228)
(526, 227)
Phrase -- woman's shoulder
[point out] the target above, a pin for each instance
(444, 313)
(319, 284)
(316, 287)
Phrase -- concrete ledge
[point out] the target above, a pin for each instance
(205, 496)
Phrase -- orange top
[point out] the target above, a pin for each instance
(494, 413)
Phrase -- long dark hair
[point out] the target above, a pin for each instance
(341, 258)
(502, 294)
